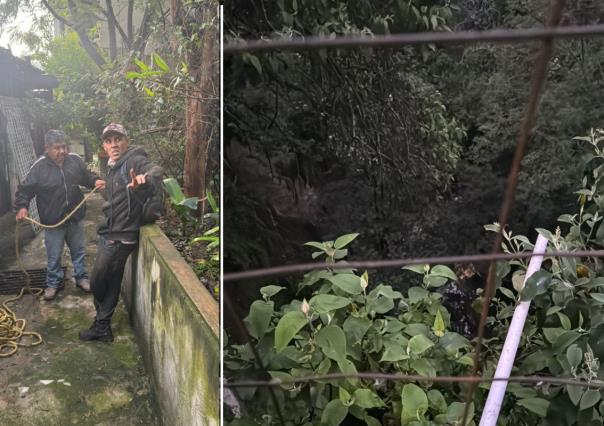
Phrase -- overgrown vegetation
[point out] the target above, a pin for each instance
(350, 325)
(421, 138)
(152, 69)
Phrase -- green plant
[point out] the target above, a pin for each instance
(212, 235)
(562, 337)
(183, 206)
(346, 326)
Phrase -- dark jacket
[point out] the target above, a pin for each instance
(57, 189)
(123, 205)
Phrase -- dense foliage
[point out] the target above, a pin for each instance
(306, 130)
(411, 147)
(349, 325)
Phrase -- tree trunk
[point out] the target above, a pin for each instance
(130, 26)
(202, 105)
(111, 31)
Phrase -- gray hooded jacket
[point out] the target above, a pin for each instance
(123, 205)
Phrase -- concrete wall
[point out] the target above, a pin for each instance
(176, 323)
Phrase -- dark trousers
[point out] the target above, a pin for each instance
(106, 280)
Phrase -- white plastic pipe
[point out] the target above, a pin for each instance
(510, 347)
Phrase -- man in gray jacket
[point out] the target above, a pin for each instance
(131, 180)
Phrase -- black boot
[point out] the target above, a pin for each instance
(98, 331)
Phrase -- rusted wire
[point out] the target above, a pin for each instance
(536, 380)
(408, 39)
(395, 263)
(526, 129)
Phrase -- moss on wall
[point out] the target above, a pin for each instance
(176, 325)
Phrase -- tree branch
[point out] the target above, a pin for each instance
(110, 14)
(130, 27)
(56, 15)
(111, 31)
(142, 35)
(84, 40)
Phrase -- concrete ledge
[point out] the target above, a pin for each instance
(176, 323)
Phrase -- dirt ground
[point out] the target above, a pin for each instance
(64, 381)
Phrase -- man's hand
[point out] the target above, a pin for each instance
(136, 179)
(99, 184)
(22, 214)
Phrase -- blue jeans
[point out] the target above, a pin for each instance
(54, 239)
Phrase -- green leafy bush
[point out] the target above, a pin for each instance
(338, 323)
(345, 327)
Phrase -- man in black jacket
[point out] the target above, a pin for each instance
(55, 179)
(131, 179)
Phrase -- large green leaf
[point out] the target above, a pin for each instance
(381, 299)
(443, 271)
(535, 285)
(346, 366)
(536, 361)
(334, 413)
(174, 191)
(564, 321)
(418, 269)
(288, 327)
(590, 398)
(536, 405)
(417, 294)
(596, 340)
(552, 334)
(157, 60)
(565, 340)
(453, 342)
(344, 240)
(349, 283)
(324, 303)
(270, 290)
(455, 413)
(419, 344)
(385, 291)
(423, 367)
(393, 352)
(520, 391)
(575, 393)
(414, 403)
(437, 400)
(366, 398)
(438, 328)
(259, 318)
(435, 281)
(332, 341)
(574, 355)
(316, 244)
(417, 328)
(284, 377)
(598, 297)
(177, 197)
(356, 328)
(190, 203)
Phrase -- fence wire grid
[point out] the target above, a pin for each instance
(546, 35)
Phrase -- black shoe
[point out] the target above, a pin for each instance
(97, 332)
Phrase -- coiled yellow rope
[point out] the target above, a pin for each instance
(12, 329)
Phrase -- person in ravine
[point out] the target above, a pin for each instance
(132, 180)
(54, 180)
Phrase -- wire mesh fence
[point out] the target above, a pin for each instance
(546, 36)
